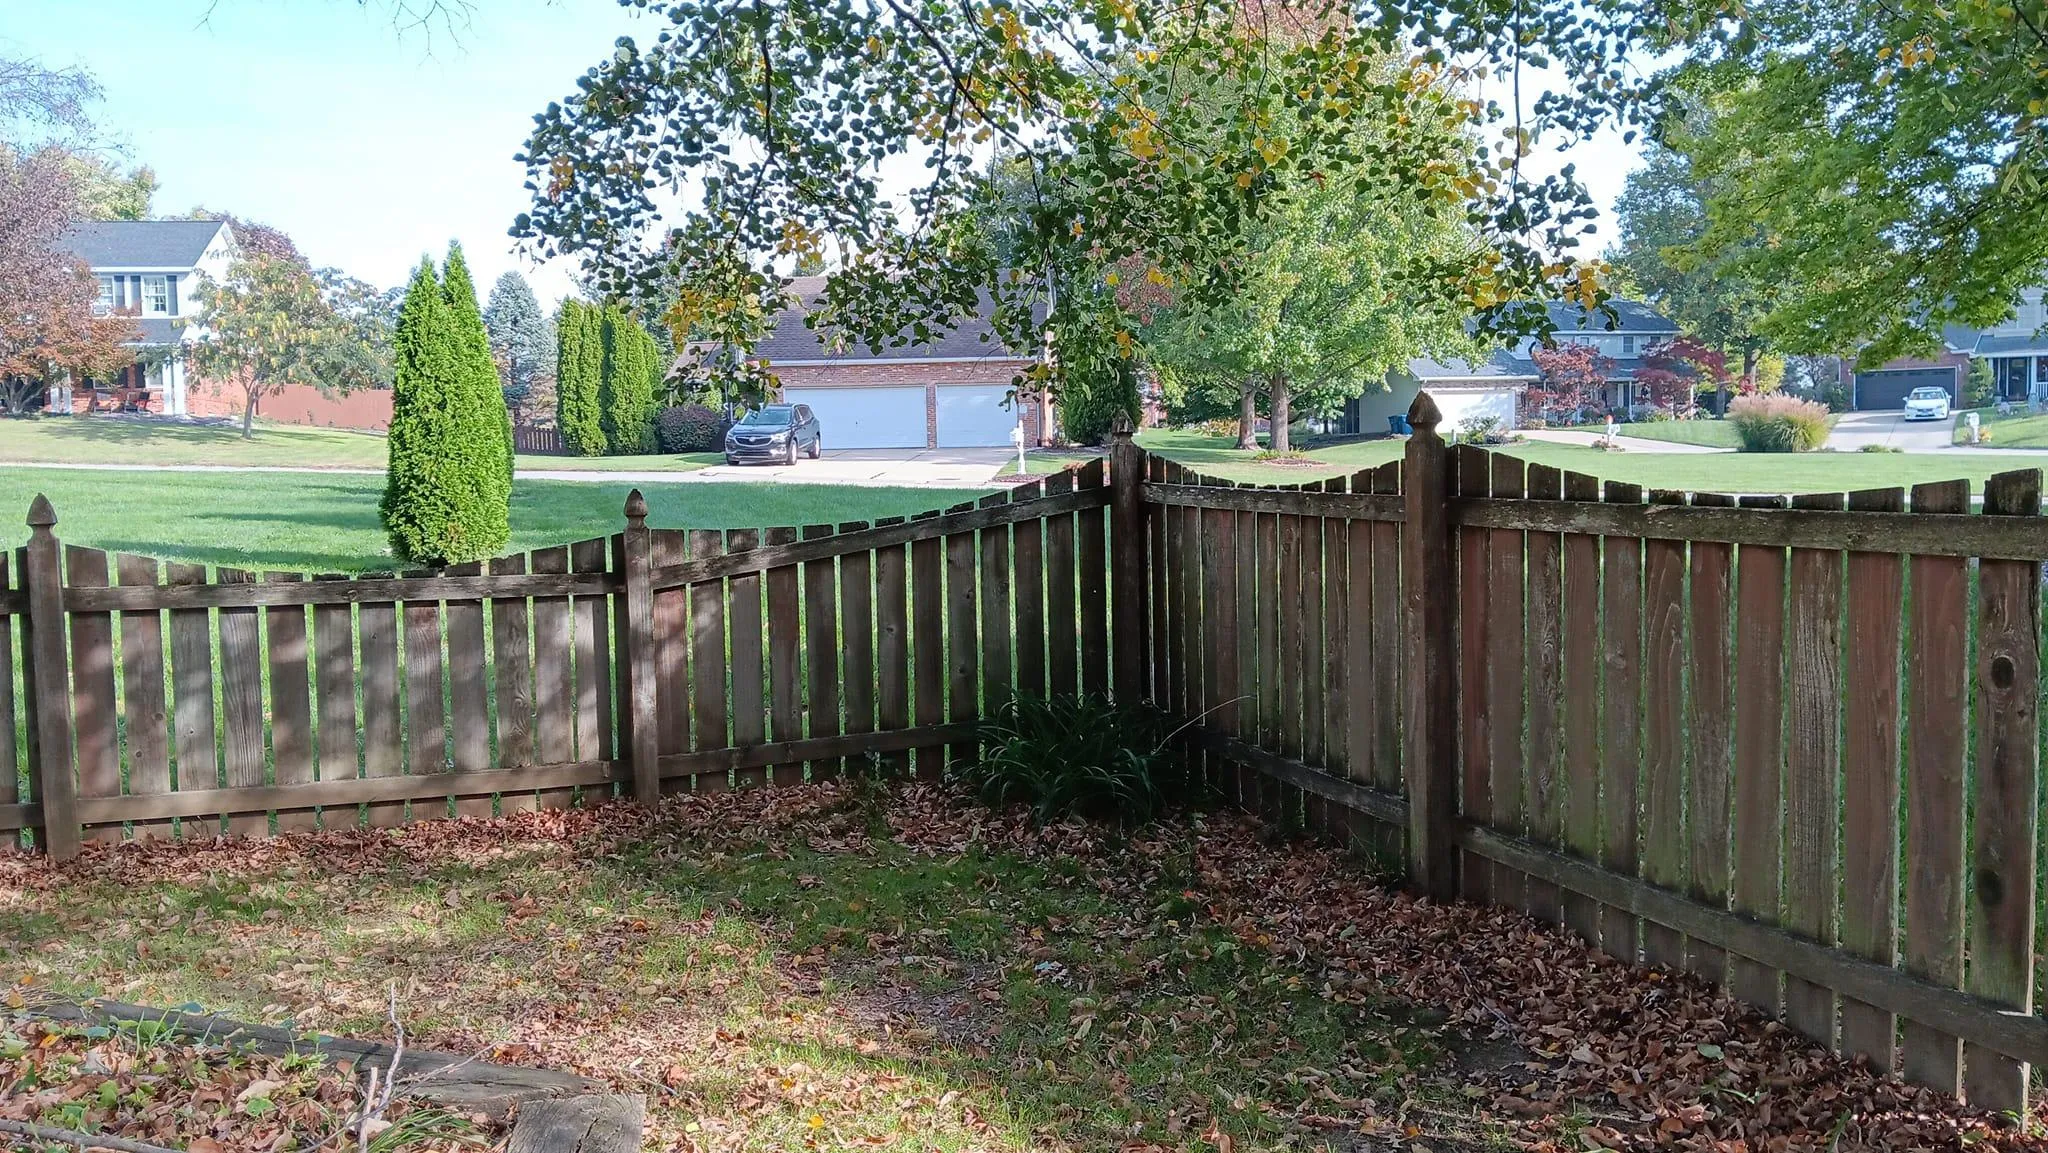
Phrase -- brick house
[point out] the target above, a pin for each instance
(2017, 352)
(957, 391)
(151, 269)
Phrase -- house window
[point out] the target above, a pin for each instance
(105, 303)
(156, 295)
(1631, 345)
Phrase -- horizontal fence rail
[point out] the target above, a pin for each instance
(1789, 746)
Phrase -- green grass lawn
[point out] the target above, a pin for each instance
(329, 523)
(2022, 429)
(94, 440)
(1717, 472)
(1710, 433)
(1219, 457)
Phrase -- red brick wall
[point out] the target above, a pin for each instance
(295, 404)
(855, 374)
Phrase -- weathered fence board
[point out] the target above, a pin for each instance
(1759, 751)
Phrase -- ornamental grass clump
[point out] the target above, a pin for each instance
(1775, 423)
(1078, 756)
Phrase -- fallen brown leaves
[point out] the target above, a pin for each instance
(1607, 1056)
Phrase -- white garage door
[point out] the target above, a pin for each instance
(865, 417)
(973, 416)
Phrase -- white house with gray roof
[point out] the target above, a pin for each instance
(151, 269)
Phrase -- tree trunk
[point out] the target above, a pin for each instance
(1247, 417)
(1279, 441)
(249, 418)
(1750, 356)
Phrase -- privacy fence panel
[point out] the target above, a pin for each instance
(1791, 747)
(183, 700)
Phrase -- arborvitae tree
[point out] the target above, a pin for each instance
(579, 366)
(632, 367)
(483, 398)
(446, 497)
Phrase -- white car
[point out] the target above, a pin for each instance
(1930, 403)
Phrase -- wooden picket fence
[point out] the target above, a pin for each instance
(1790, 747)
(170, 700)
(542, 440)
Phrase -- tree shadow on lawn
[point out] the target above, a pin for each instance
(781, 979)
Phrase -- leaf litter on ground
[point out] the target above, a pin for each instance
(828, 966)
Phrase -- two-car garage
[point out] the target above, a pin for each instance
(910, 416)
(1887, 388)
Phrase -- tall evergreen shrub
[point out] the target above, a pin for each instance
(483, 393)
(446, 489)
(578, 369)
(632, 367)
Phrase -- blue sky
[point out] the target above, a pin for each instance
(368, 144)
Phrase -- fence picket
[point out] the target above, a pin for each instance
(1361, 700)
(595, 645)
(468, 695)
(996, 624)
(241, 690)
(674, 644)
(1870, 814)
(963, 641)
(512, 662)
(2003, 843)
(1663, 798)
(1938, 693)
(1337, 626)
(785, 657)
(1314, 746)
(1812, 794)
(1027, 542)
(96, 745)
(1709, 776)
(1545, 681)
(1759, 752)
(1062, 623)
(928, 646)
(1506, 558)
(892, 636)
(1621, 596)
(706, 722)
(383, 736)
(426, 743)
(1092, 558)
(143, 718)
(12, 776)
(554, 677)
(857, 614)
(821, 650)
(1474, 478)
(1159, 564)
(1390, 672)
(1580, 673)
(291, 701)
(749, 676)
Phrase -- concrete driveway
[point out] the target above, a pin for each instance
(907, 467)
(1853, 430)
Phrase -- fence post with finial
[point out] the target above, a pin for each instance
(641, 738)
(1127, 561)
(49, 700)
(1429, 590)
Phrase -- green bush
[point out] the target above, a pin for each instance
(1773, 422)
(1977, 390)
(447, 488)
(1089, 401)
(1082, 755)
(579, 366)
(690, 428)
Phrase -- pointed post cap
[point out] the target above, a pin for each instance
(40, 514)
(1120, 424)
(1423, 414)
(636, 506)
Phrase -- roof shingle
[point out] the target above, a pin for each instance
(142, 243)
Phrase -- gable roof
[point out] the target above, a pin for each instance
(790, 342)
(1498, 369)
(1629, 316)
(142, 243)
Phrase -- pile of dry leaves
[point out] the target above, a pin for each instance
(141, 1083)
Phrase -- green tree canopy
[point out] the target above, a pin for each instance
(266, 326)
(579, 369)
(631, 371)
(521, 340)
(1884, 162)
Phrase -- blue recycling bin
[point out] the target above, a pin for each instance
(1398, 424)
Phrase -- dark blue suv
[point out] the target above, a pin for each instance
(775, 432)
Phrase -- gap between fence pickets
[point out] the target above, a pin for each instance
(2016, 1034)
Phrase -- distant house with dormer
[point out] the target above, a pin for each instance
(1491, 388)
(151, 270)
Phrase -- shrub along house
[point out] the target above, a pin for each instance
(149, 268)
(952, 392)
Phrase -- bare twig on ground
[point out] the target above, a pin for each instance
(81, 1140)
